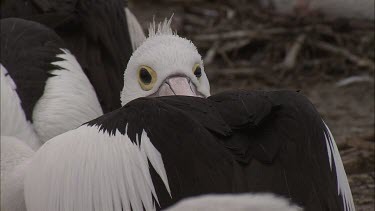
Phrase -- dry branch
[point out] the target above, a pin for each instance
(313, 47)
(232, 45)
(239, 34)
(355, 79)
(211, 53)
(361, 62)
(291, 57)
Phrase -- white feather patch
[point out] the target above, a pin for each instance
(13, 119)
(235, 202)
(88, 169)
(15, 157)
(69, 100)
(136, 33)
(343, 187)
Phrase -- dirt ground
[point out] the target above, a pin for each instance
(347, 108)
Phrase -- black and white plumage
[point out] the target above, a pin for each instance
(35, 44)
(46, 79)
(44, 89)
(44, 93)
(28, 50)
(155, 151)
(101, 34)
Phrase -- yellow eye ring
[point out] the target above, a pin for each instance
(197, 70)
(146, 77)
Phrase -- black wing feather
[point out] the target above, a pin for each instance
(287, 153)
(242, 109)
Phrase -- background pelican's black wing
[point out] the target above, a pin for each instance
(96, 32)
(287, 150)
(27, 51)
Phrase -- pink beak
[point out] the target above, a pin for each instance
(177, 86)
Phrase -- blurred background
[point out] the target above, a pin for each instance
(324, 48)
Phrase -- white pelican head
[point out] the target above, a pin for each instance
(164, 64)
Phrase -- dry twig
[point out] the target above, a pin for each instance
(211, 53)
(355, 79)
(361, 62)
(291, 57)
(239, 34)
(260, 37)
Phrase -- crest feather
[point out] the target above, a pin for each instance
(163, 28)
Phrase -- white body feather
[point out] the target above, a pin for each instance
(343, 187)
(234, 202)
(68, 101)
(15, 157)
(13, 119)
(137, 36)
(88, 169)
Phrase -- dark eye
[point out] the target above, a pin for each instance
(197, 71)
(145, 76)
